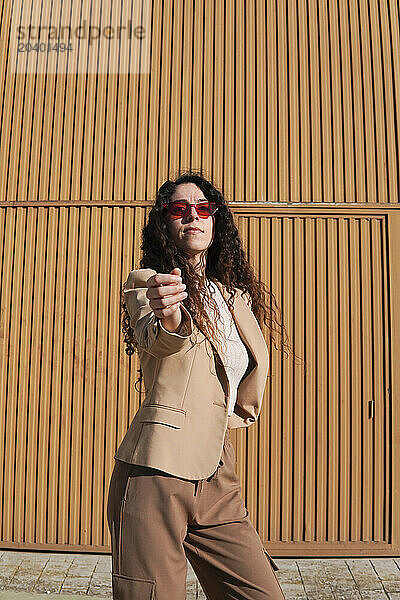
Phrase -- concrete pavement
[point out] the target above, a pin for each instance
(47, 575)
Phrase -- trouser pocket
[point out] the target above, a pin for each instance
(130, 588)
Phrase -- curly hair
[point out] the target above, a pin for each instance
(225, 261)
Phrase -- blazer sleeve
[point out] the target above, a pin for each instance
(150, 334)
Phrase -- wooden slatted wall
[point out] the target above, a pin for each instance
(292, 108)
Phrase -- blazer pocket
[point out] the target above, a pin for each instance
(165, 415)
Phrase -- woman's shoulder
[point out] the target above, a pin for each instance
(238, 292)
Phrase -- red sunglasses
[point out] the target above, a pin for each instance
(180, 209)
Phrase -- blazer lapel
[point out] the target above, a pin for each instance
(241, 319)
(251, 387)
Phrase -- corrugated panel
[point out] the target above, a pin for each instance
(278, 101)
(315, 469)
(67, 385)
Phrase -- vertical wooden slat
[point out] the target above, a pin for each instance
(378, 396)
(11, 115)
(367, 366)
(5, 16)
(389, 418)
(187, 84)
(287, 407)
(5, 266)
(337, 193)
(24, 155)
(276, 415)
(378, 100)
(393, 406)
(368, 103)
(113, 365)
(57, 122)
(321, 380)
(13, 239)
(116, 175)
(388, 108)
(37, 411)
(217, 153)
(9, 376)
(94, 116)
(163, 100)
(112, 92)
(253, 474)
(240, 96)
(176, 86)
(67, 117)
(48, 450)
(197, 103)
(304, 100)
(252, 100)
(346, 164)
(135, 128)
(92, 283)
(356, 381)
(26, 222)
(332, 388)
(65, 302)
(294, 104)
(282, 102)
(261, 165)
(358, 81)
(299, 338)
(345, 374)
(60, 421)
(100, 383)
(315, 93)
(73, 387)
(272, 94)
(311, 351)
(148, 114)
(324, 76)
(230, 121)
(100, 122)
(264, 449)
(394, 21)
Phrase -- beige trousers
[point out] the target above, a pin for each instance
(157, 521)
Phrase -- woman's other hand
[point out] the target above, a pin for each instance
(165, 293)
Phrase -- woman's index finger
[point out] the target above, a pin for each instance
(163, 279)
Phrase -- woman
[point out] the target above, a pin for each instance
(192, 312)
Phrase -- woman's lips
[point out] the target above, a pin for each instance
(193, 231)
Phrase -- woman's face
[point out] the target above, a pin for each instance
(194, 243)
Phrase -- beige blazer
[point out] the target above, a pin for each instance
(180, 426)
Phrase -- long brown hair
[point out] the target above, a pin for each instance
(225, 261)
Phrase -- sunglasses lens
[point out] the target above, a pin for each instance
(177, 209)
(204, 209)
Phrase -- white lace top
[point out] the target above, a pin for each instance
(233, 352)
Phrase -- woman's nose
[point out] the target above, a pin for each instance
(192, 210)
